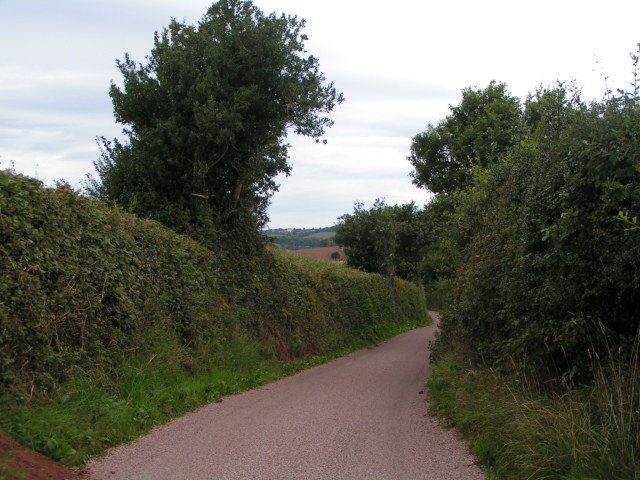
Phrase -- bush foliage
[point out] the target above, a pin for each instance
(547, 265)
(82, 283)
(539, 254)
(389, 240)
(85, 285)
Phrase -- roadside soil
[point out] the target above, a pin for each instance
(29, 465)
(363, 416)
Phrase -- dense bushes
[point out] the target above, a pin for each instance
(84, 285)
(301, 307)
(110, 324)
(536, 361)
(547, 266)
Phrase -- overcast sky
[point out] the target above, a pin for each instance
(399, 64)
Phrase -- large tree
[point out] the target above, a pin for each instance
(486, 123)
(207, 115)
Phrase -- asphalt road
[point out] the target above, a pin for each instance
(363, 416)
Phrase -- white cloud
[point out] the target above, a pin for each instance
(399, 66)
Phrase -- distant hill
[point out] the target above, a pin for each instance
(302, 238)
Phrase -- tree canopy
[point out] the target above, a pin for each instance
(485, 124)
(207, 115)
(543, 267)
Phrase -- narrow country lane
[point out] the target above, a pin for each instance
(363, 416)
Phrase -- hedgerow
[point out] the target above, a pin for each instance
(95, 302)
(81, 283)
(549, 271)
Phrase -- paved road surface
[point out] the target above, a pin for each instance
(360, 417)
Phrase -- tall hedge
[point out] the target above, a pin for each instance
(550, 272)
(83, 284)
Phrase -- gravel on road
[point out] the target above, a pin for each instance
(363, 416)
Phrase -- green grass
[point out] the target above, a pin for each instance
(92, 412)
(587, 433)
(95, 411)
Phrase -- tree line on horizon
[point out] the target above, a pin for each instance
(301, 238)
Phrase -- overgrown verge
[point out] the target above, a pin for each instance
(520, 432)
(110, 325)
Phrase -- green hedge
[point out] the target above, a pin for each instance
(306, 307)
(82, 283)
(85, 285)
(549, 273)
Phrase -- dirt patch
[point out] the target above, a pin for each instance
(18, 463)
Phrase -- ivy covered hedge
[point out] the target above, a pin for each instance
(84, 285)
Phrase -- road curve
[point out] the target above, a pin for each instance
(363, 416)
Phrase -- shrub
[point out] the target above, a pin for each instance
(546, 260)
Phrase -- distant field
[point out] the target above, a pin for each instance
(322, 253)
(323, 235)
(298, 239)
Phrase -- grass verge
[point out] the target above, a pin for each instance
(93, 411)
(587, 433)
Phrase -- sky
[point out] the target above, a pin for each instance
(400, 65)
